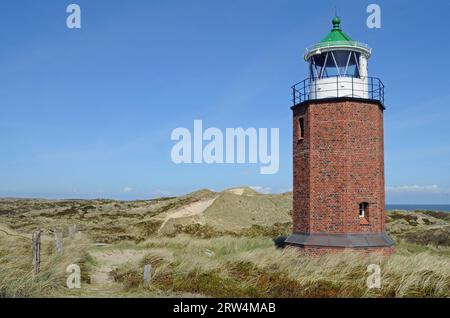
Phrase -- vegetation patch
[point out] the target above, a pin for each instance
(438, 215)
(129, 277)
(411, 219)
(233, 249)
(148, 227)
(436, 237)
(275, 230)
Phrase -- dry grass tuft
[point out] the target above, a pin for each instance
(16, 276)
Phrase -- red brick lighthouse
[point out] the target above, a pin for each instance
(338, 151)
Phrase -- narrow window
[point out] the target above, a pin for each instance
(363, 209)
(301, 128)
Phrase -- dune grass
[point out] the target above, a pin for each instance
(227, 266)
(206, 260)
(16, 276)
(253, 267)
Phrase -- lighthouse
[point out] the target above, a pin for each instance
(338, 151)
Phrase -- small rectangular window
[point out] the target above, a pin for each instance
(363, 209)
(301, 128)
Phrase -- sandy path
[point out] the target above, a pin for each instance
(109, 260)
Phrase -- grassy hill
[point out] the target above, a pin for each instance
(208, 244)
(202, 213)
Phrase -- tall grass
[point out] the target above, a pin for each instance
(253, 267)
(16, 276)
(229, 266)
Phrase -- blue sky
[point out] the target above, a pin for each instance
(89, 113)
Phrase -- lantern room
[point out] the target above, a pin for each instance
(338, 67)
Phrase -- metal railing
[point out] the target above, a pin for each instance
(338, 86)
(339, 44)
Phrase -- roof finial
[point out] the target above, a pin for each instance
(336, 21)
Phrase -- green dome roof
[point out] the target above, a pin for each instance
(336, 34)
(337, 40)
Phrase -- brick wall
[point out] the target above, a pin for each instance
(337, 165)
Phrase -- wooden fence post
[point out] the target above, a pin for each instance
(58, 238)
(147, 274)
(36, 252)
(72, 231)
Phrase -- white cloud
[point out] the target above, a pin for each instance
(127, 189)
(261, 189)
(433, 188)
